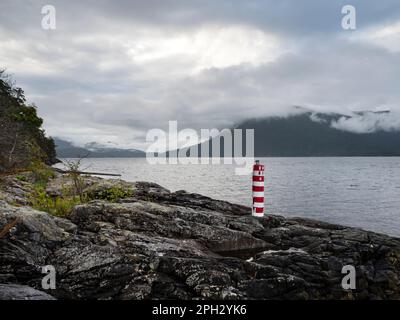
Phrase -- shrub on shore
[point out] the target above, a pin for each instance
(58, 206)
(69, 193)
(112, 194)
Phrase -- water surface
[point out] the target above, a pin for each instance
(355, 191)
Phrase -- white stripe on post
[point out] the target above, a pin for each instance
(258, 194)
(258, 184)
(258, 205)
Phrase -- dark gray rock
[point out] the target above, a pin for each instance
(19, 292)
(158, 244)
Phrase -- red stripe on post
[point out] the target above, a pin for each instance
(258, 178)
(258, 189)
(259, 210)
(258, 199)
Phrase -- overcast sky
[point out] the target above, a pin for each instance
(114, 69)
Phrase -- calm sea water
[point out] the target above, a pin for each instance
(361, 192)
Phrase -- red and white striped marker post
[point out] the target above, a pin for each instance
(258, 190)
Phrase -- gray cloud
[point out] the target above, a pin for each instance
(369, 122)
(285, 16)
(113, 70)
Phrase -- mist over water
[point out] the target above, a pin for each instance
(355, 191)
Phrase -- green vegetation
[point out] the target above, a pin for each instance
(41, 173)
(22, 139)
(113, 194)
(62, 205)
(74, 168)
(58, 206)
(21, 178)
(71, 195)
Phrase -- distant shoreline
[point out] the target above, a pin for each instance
(336, 156)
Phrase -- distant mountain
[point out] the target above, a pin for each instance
(66, 149)
(300, 135)
(312, 134)
(315, 134)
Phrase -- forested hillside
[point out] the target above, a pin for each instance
(22, 140)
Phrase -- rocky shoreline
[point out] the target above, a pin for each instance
(157, 244)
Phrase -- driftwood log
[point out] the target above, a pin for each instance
(89, 173)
